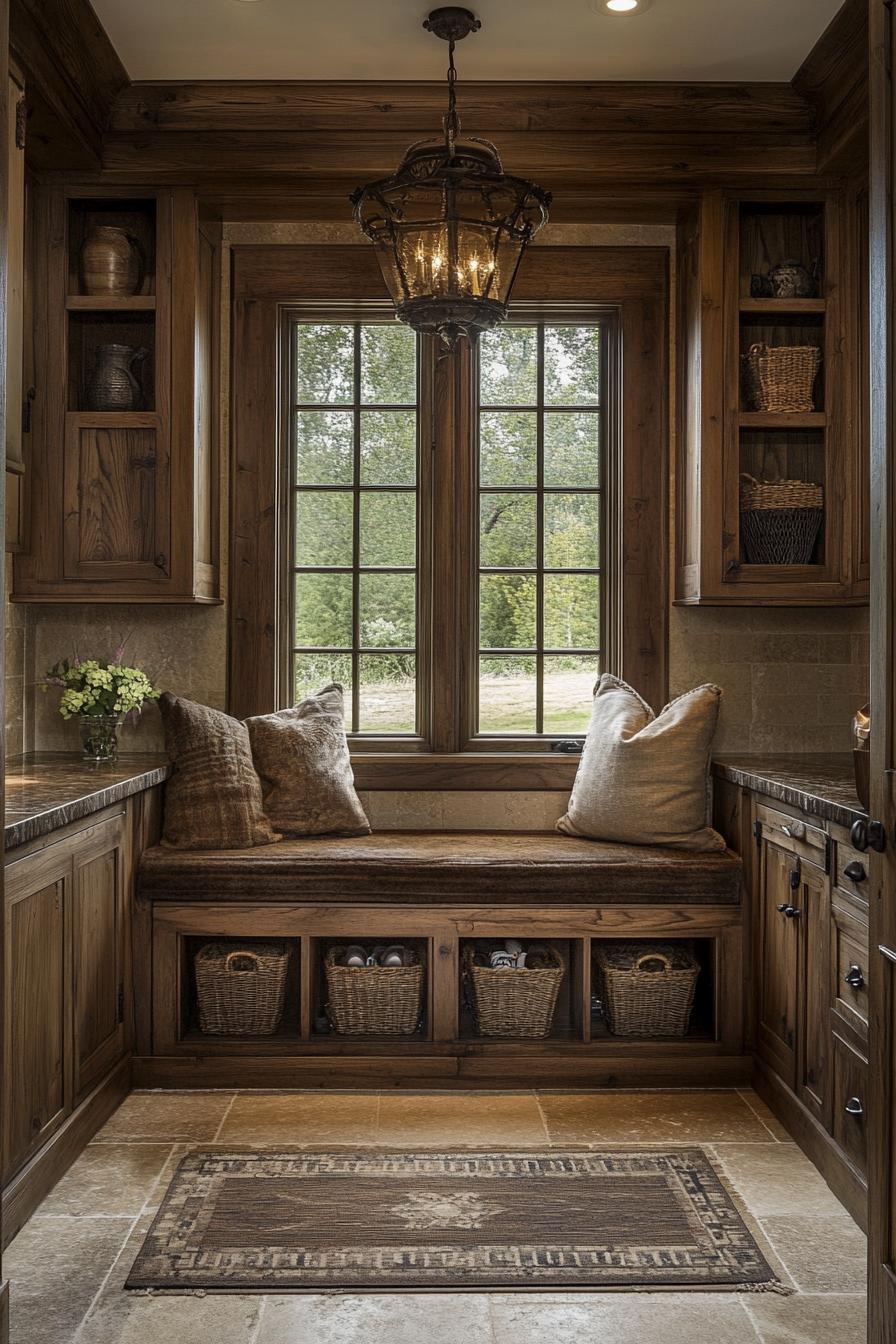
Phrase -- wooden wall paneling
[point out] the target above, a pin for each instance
(73, 76)
(834, 81)
(206, 410)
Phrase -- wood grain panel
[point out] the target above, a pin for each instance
(97, 956)
(412, 105)
(834, 80)
(36, 1095)
(116, 500)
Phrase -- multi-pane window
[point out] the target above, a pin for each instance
(354, 404)
(539, 586)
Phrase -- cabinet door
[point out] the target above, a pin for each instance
(778, 963)
(36, 1094)
(812, 899)
(97, 905)
(117, 506)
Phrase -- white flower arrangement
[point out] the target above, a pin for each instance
(94, 687)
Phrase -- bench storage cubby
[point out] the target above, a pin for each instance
(437, 894)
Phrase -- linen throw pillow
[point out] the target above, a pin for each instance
(643, 778)
(306, 775)
(213, 796)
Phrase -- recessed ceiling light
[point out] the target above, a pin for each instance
(619, 8)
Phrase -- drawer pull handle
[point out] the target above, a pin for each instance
(790, 911)
(854, 1107)
(854, 977)
(855, 871)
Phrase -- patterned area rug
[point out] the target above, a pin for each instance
(391, 1221)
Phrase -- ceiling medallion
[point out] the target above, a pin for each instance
(450, 226)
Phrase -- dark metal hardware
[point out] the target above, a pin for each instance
(855, 871)
(854, 977)
(120, 1003)
(570, 746)
(757, 831)
(26, 410)
(869, 835)
(161, 562)
(796, 875)
(782, 909)
(877, 836)
(790, 911)
(21, 122)
(859, 835)
(854, 1107)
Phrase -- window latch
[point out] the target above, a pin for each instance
(569, 746)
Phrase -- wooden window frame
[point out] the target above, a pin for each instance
(626, 287)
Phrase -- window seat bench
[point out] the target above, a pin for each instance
(437, 892)
(438, 868)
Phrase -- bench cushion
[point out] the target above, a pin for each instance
(408, 867)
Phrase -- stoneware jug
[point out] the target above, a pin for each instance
(112, 385)
(111, 263)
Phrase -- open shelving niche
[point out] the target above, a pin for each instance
(576, 1022)
(784, 446)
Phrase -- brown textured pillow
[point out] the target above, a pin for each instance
(213, 798)
(302, 757)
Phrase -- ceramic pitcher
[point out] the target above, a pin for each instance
(112, 385)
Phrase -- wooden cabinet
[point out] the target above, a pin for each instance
(730, 432)
(794, 918)
(809, 976)
(132, 514)
(64, 978)
(98, 955)
(37, 1090)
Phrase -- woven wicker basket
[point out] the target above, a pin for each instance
(782, 377)
(780, 520)
(646, 1002)
(515, 1001)
(241, 989)
(373, 1000)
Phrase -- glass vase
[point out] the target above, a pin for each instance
(99, 736)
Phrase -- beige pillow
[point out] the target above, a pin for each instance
(213, 797)
(306, 775)
(644, 779)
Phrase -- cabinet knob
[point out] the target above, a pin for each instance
(859, 835)
(854, 977)
(854, 1107)
(790, 911)
(855, 871)
(869, 835)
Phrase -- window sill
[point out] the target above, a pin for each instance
(536, 770)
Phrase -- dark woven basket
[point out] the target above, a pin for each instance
(780, 520)
(647, 989)
(514, 1001)
(373, 1000)
(241, 989)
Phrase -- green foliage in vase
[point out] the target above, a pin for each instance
(91, 686)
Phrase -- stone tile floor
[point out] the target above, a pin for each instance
(68, 1265)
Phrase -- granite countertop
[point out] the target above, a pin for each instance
(820, 785)
(47, 790)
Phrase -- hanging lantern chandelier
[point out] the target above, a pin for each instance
(450, 226)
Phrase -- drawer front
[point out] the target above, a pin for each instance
(855, 881)
(793, 834)
(850, 1093)
(850, 963)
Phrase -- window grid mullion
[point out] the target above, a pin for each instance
(356, 526)
(539, 542)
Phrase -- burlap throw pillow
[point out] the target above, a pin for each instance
(213, 796)
(302, 758)
(643, 778)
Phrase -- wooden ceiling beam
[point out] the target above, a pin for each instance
(168, 156)
(416, 107)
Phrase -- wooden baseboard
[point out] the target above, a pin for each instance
(847, 1183)
(33, 1183)
(442, 1071)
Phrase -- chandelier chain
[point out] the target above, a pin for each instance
(452, 120)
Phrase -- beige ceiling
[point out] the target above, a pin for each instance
(520, 39)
